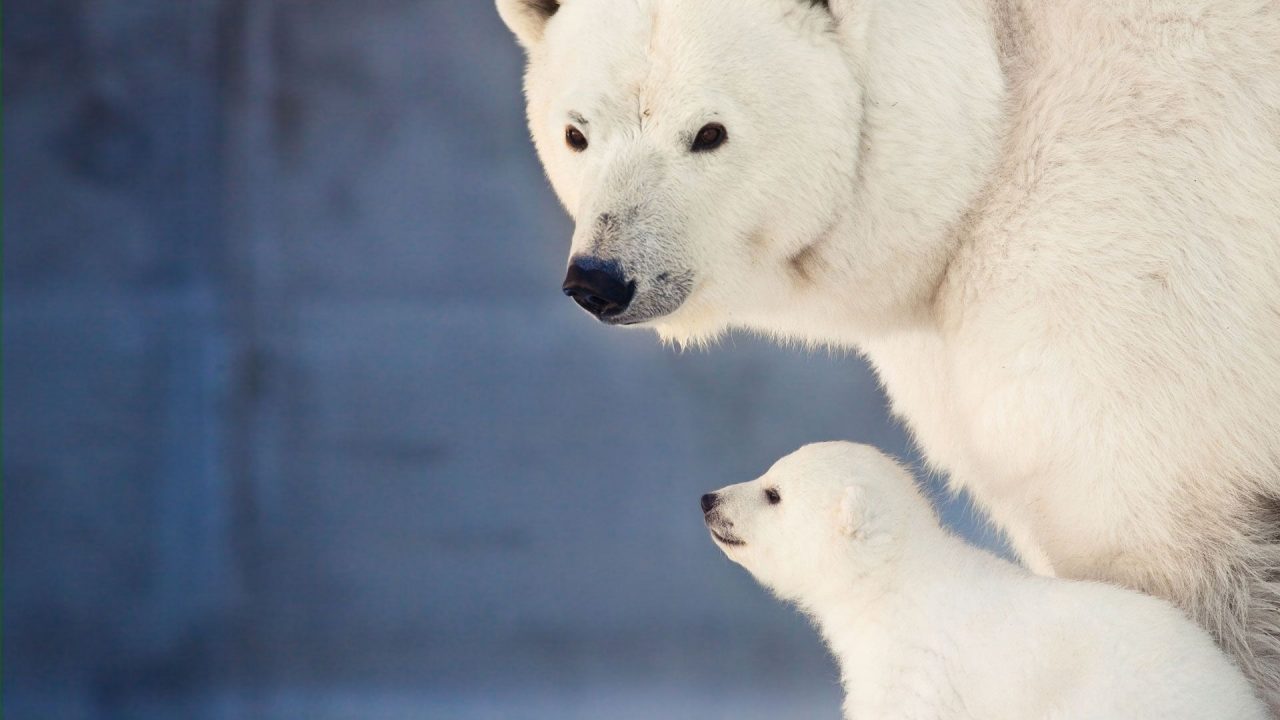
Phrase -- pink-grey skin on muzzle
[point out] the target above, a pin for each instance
(721, 527)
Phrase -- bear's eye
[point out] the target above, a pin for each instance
(710, 137)
(574, 138)
(772, 496)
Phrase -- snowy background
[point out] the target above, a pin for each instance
(297, 423)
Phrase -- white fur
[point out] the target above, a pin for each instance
(1053, 227)
(926, 627)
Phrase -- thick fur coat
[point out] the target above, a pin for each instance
(927, 628)
(1052, 227)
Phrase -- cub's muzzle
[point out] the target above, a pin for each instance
(720, 527)
(709, 502)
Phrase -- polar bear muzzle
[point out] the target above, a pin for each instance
(614, 296)
(598, 287)
(718, 525)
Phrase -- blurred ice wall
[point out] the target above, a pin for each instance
(296, 420)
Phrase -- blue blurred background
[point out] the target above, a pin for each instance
(297, 423)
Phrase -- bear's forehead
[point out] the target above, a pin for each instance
(625, 44)
(655, 64)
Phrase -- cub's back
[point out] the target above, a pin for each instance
(1124, 654)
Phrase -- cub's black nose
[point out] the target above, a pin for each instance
(709, 502)
(598, 287)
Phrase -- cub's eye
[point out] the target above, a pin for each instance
(710, 137)
(772, 496)
(574, 138)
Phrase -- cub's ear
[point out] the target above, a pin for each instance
(527, 18)
(854, 514)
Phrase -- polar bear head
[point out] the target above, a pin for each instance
(702, 147)
(829, 512)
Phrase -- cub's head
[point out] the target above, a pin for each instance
(702, 146)
(827, 512)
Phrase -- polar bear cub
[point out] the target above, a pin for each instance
(925, 626)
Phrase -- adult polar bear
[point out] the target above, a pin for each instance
(1053, 228)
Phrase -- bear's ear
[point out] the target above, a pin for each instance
(845, 10)
(854, 513)
(527, 18)
(824, 4)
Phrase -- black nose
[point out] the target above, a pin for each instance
(598, 287)
(709, 502)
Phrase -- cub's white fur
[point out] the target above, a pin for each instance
(1052, 226)
(926, 627)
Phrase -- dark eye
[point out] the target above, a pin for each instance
(710, 137)
(772, 496)
(574, 138)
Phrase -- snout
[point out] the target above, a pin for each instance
(598, 287)
(709, 502)
(721, 527)
(615, 297)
